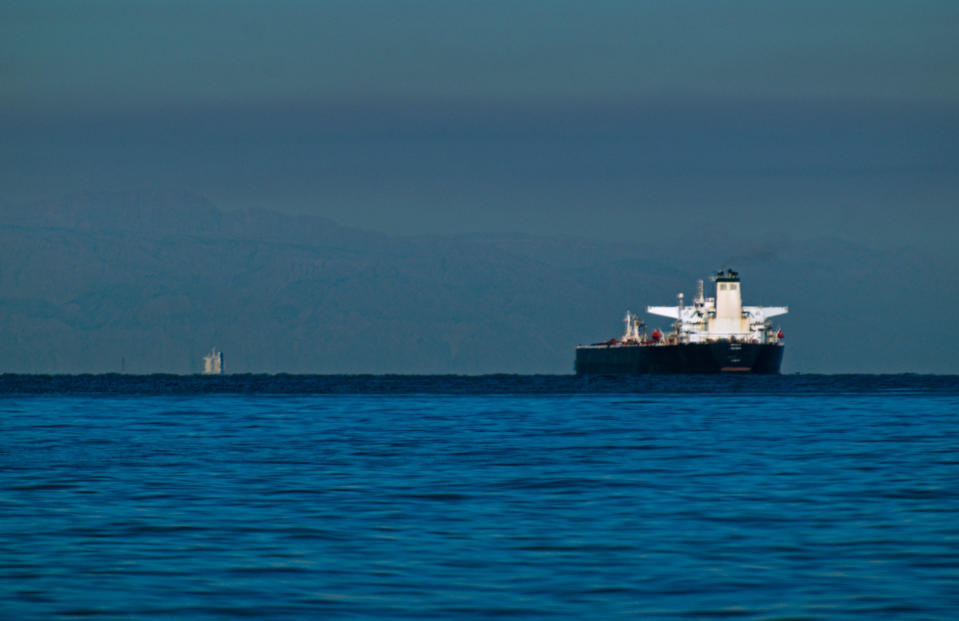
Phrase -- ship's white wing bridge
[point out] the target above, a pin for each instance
(722, 317)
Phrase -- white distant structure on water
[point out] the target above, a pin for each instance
(213, 362)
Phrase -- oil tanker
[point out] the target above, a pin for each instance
(712, 335)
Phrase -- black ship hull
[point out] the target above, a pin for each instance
(716, 357)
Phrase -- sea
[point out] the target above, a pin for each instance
(500, 496)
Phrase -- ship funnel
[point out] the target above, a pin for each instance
(729, 303)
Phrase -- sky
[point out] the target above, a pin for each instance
(122, 55)
(604, 119)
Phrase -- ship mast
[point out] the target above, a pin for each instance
(678, 326)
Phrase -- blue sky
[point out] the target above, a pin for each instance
(147, 53)
(596, 119)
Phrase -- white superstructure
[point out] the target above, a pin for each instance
(213, 362)
(722, 317)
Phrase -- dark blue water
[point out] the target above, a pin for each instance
(792, 497)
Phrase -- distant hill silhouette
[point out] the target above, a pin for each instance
(156, 278)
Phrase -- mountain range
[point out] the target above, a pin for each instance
(147, 281)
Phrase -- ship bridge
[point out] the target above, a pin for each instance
(722, 317)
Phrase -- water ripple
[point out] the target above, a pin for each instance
(750, 504)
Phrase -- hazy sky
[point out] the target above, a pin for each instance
(603, 119)
(139, 54)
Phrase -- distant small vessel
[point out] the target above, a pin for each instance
(213, 363)
(714, 335)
